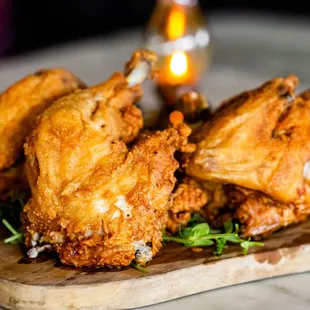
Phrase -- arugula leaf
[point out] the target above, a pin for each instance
(228, 227)
(248, 244)
(185, 232)
(220, 246)
(16, 237)
(200, 235)
(138, 267)
(198, 231)
(10, 211)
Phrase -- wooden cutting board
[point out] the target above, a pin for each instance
(176, 272)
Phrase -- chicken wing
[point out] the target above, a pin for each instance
(23, 102)
(96, 201)
(259, 140)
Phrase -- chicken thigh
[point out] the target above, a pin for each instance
(95, 200)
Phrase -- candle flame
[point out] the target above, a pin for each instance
(179, 63)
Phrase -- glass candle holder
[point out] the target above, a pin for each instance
(179, 34)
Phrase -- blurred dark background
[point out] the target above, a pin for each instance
(27, 25)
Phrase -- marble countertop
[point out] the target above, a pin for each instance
(285, 293)
(249, 49)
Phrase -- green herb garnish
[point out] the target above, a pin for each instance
(17, 237)
(138, 267)
(10, 211)
(200, 235)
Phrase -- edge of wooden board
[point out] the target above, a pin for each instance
(157, 288)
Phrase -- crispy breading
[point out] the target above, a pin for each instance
(21, 103)
(259, 140)
(187, 198)
(94, 199)
(257, 148)
(257, 213)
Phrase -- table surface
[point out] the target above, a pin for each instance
(249, 49)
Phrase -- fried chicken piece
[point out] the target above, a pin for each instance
(19, 106)
(260, 140)
(257, 213)
(305, 95)
(216, 207)
(21, 103)
(282, 173)
(187, 198)
(97, 202)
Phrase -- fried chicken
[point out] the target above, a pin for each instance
(188, 197)
(96, 201)
(259, 141)
(21, 103)
(305, 95)
(257, 213)
(260, 214)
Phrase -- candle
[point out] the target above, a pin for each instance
(179, 35)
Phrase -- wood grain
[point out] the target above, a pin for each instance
(176, 272)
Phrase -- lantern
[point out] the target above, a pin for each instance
(179, 34)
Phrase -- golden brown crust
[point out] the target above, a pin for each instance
(305, 95)
(187, 198)
(216, 211)
(21, 103)
(257, 214)
(255, 147)
(97, 202)
(259, 140)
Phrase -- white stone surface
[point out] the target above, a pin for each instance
(249, 49)
(285, 293)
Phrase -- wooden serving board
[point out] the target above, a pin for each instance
(176, 272)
